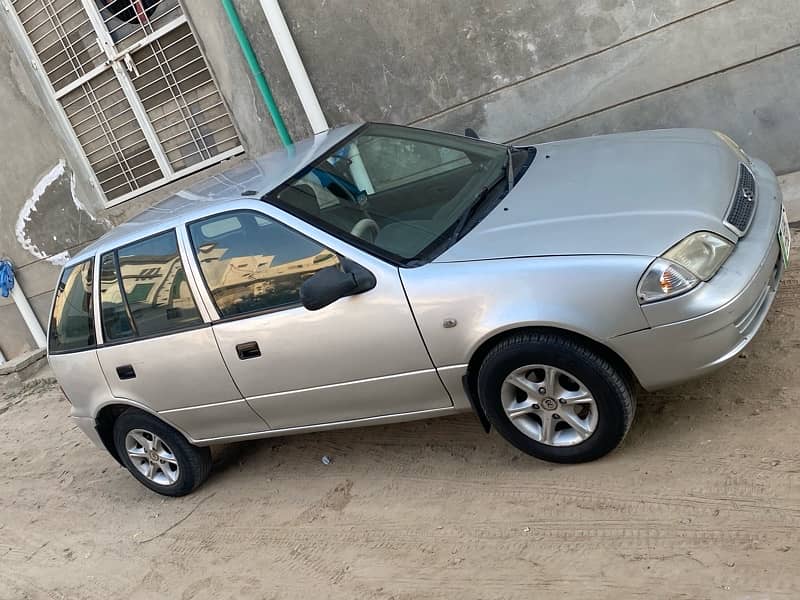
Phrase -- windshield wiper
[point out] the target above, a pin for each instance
(506, 175)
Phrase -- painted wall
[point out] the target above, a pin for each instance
(513, 70)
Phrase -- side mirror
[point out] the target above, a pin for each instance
(471, 133)
(327, 285)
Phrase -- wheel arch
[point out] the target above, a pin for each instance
(483, 349)
(108, 413)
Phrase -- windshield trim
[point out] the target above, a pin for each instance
(426, 255)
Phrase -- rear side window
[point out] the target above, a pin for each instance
(253, 264)
(72, 323)
(145, 292)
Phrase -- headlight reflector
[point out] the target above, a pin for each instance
(694, 259)
(702, 253)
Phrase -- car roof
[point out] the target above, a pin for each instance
(256, 176)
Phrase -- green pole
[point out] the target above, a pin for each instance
(258, 74)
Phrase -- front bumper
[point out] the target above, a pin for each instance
(694, 334)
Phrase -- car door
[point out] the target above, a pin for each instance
(157, 349)
(360, 357)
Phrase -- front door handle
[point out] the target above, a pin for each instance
(126, 372)
(248, 350)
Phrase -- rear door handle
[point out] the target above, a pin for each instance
(126, 372)
(248, 350)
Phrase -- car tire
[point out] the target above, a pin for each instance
(159, 456)
(527, 374)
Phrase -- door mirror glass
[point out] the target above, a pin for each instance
(330, 284)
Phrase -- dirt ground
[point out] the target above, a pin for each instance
(702, 501)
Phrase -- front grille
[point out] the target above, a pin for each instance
(743, 206)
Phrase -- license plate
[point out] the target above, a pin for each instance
(785, 237)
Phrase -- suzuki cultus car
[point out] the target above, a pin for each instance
(378, 273)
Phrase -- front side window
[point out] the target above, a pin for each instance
(72, 323)
(253, 264)
(400, 192)
(153, 285)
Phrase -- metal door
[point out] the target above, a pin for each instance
(134, 86)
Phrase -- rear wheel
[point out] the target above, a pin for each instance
(554, 398)
(158, 455)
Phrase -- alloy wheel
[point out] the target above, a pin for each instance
(152, 457)
(549, 405)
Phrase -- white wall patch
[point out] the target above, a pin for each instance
(30, 207)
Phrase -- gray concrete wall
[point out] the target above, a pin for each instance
(56, 217)
(513, 70)
(525, 71)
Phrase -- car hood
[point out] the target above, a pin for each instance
(633, 193)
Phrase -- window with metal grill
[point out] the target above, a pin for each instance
(134, 86)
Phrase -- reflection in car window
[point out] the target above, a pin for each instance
(155, 286)
(116, 324)
(395, 190)
(392, 162)
(72, 324)
(260, 265)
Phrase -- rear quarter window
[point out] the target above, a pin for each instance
(72, 322)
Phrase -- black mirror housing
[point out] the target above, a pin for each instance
(327, 285)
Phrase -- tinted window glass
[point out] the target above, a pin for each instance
(72, 324)
(155, 286)
(116, 324)
(392, 162)
(255, 264)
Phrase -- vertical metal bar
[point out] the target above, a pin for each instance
(72, 56)
(295, 66)
(180, 100)
(140, 113)
(18, 295)
(129, 90)
(113, 142)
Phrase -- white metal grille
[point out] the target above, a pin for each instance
(110, 135)
(181, 100)
(135, 87)
(63, 38)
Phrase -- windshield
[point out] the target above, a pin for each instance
(404, 193)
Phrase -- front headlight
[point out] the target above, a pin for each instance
(694, 259)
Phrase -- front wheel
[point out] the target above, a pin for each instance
(158, 455)
(554, 398)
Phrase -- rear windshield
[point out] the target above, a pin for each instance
(72, 323)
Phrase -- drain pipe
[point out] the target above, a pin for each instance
(255, 69)
(29, 316)
(8, 283)
(297, 70)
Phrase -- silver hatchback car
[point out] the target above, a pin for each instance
(379, 273)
